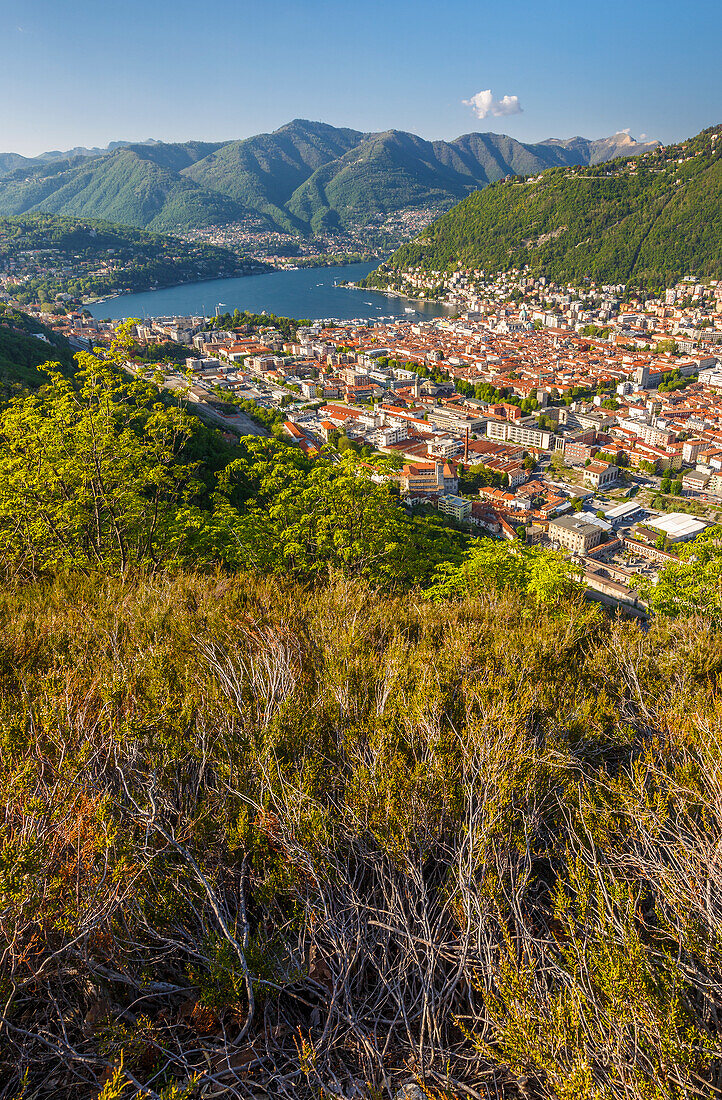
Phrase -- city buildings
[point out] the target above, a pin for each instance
(538, 407)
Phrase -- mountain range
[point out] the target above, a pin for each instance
(10, 161)
(305, 178)
(645, 222)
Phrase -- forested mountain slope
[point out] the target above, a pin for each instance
(83, 257)
(645, 221)
(263, 172)
(25, 345)
(140, 186)
(303, 178)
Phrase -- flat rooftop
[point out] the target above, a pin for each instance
(621, 511)
(678, 526)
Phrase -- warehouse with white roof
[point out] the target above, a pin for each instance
(677, 526)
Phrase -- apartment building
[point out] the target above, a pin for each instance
(525, 434)
(695, 481)
(455, 420)
(577, 453)
(429, 477)
(691, 448)
(654, 436)
(459, 508)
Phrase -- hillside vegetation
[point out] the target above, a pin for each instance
(261, 835)
(83, 258)
(646, 222)
(263, 172)
(306, 177)
(22, 352)
(304, 798)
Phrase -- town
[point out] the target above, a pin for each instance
(255, 242)
(584, 420)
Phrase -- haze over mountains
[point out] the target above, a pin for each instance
(305, 178)
(10, 161)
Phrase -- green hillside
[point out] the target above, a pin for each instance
(134, 186)
(10, 161)
(645, 222)
(262, 172)
(87, 258)
(384, 173)
(25, 344)
(304, 178)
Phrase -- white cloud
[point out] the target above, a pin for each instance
(484, 104)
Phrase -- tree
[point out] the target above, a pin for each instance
(546, 576)
(665, 485)
(676, 487)
(693, 584)
(92, 475)
(291, 515)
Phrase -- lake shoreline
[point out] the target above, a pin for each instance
(269, 270)
(263, 269)
(312, 292)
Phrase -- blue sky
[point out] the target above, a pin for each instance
(76, 72)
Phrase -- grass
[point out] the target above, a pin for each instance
(301, 837)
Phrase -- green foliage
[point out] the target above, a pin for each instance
(308, 517)
(546, 576)
(90, 475)
(694, 583)
(473, 478)
(167, 352)
(646, 224)
(288, 326)
(105, 259)
(22, 353)
(98, 472)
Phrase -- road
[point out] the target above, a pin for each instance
(240, 422)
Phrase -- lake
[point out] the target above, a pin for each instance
(308, 292)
